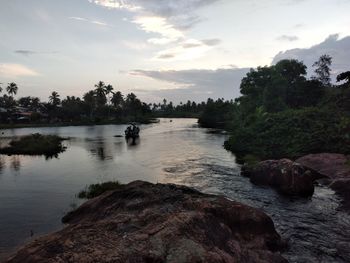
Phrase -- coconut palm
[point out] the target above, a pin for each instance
(55, 99)
(12, 89)
(100, 93)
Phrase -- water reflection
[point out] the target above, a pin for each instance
(15, 163)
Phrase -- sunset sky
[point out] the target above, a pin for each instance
(175, 49)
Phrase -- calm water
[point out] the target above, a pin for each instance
(36, 192)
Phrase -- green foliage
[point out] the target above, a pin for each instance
(283, 114)
(95, 190)
(217, 114)
(35, 144)
(292, 133)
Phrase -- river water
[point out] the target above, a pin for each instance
(35, 192)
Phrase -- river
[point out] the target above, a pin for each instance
(35, 192)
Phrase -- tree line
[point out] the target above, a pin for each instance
(282, 113)
(102, 104)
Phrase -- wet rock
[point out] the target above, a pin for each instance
(284, 175)
(143, 222)
(336, 168)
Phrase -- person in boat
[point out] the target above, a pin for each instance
(132, 131)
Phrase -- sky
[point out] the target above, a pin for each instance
(175, 49)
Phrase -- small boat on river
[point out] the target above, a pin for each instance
(132, 132)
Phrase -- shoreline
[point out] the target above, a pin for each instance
(67, 124)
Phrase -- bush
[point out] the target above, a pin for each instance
(35, 144)
(291, 134)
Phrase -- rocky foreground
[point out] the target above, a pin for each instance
(298, 177)
(144, 222)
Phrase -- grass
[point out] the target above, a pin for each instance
(95, 190)
(35, 144)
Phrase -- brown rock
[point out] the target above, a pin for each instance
(143, 222)
(335, 167)
(284, 175)
(329, 165)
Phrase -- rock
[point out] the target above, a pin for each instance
(144, 222)
(329, 165)
(284, 175)
(335, 167)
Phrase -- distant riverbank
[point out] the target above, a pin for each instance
(80, 123)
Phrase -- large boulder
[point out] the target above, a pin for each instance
(334, 167)
(284, 175)
(327, 165)
(144, 222)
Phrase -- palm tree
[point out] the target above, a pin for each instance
(12, 89)
(54, 98)
(108, 90)
(100, 93)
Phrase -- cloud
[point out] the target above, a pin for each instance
(196, 84)
(187, 49)
(153, 24)
(170, 21)
(337, 48)
(287, 38)
(96, 22)
(212, 42)
(16, 70)
(25, 52)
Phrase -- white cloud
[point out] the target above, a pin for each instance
(169, 20)
(96, 22)
(10, 70)
(159, 25)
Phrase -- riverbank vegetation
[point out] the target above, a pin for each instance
(35, 144)
(282, 113)
(95, 190)
(101, 105)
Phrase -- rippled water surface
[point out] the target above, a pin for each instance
(36, 192)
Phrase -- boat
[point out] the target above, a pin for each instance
(132, 131)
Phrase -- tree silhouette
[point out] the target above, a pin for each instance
(117, 99)
(323, 70)
(12, 89)
(100, 92)
(55, 99)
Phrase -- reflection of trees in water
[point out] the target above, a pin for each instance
(15, 163)
(100, 149)
(2, 163)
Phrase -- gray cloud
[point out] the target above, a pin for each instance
(25, 52)
(287, 38)
(166, 56)
(179, 12)
(197, 84)
(338, 48)
(212, 42)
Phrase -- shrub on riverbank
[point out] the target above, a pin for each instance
(35, 144)
(291, 134)
(95, 190)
